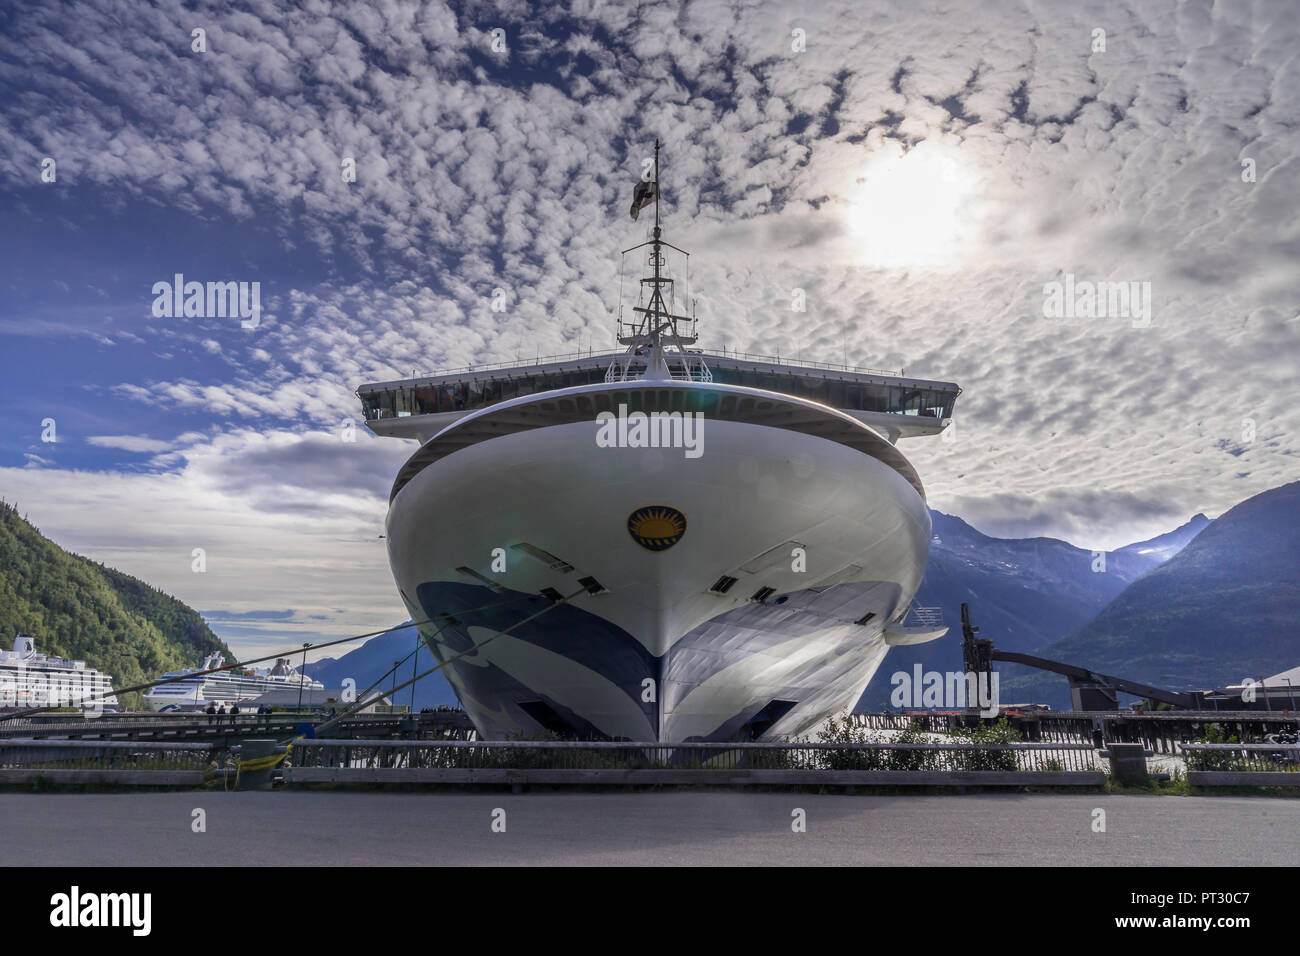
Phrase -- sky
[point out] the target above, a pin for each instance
(919, 174)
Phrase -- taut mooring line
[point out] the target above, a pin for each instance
(257, 660)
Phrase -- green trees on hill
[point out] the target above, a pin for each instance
(80, 609)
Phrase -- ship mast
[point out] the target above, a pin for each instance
(657, 258)
(658, 321)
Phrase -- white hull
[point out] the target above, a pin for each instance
(658, 656)
(198, 694)
(24, 687)
(29, 679)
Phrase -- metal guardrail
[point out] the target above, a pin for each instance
(619, 755)
(563, 762)
(186, 726)
(1161, 731)
(1248, 758)
(161, 724)
(1243, 765)
(104, 753)
(105, 762)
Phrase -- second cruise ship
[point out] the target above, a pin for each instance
(195, 688)
(660, 543)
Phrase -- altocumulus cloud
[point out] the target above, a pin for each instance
(479, 170)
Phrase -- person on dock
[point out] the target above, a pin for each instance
(234, 713)
(212, 712)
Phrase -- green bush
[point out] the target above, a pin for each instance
(842, 731)
(1212, 759)
(999, 733)
(913, 759)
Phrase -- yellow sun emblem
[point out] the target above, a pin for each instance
(656, 527)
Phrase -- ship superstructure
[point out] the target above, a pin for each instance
(29, 678)
(724, 544)
(197, 688)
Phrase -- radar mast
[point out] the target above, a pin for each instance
(656, 343)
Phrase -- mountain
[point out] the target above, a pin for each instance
(374, 659)
(1023, 592)
(80, 609)
(1165, 546)
(1223, 608)
(1030, 590)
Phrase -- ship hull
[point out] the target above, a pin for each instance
(840, 538)
(191, 695)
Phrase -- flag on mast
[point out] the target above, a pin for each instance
(644, 194)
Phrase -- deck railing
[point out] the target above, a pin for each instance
(563, 357)
(919, 615)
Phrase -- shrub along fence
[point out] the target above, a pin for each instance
(615, 762)
(106, 762)
(1237, 764)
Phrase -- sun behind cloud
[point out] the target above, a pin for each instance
(914, 207)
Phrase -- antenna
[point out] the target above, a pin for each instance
(657, 323)
(658, 259)
(656, 193)
(657, 316)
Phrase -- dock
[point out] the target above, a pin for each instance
(437, 748)
(225, 729)
(1160, 731)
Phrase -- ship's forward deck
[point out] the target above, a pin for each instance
(714, 402)
(898, 406)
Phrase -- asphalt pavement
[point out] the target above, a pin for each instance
(649, 828)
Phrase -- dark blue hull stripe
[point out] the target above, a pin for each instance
(492, 696)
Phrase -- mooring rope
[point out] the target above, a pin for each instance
(455, 657)
(257, 660)
(273, 760)
(270, 761)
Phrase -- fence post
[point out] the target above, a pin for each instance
(1128, 762)
(260, 751)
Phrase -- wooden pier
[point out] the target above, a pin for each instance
(225, 729)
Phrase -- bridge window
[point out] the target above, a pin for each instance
(475, 392)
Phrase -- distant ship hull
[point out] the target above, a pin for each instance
(196, 690)
(658, 655)
(31, 679)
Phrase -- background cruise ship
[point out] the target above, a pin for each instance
(746, 589)
(234, 686)
(31, 679)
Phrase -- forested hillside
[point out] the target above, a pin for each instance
(77, 608)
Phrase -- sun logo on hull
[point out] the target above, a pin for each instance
(656, 527)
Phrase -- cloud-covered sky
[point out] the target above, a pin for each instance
(920, 171)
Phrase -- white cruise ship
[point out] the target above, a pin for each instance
(198, 688)
(32, 679)
(659, 543)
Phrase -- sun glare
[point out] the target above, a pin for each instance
(913, 208)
